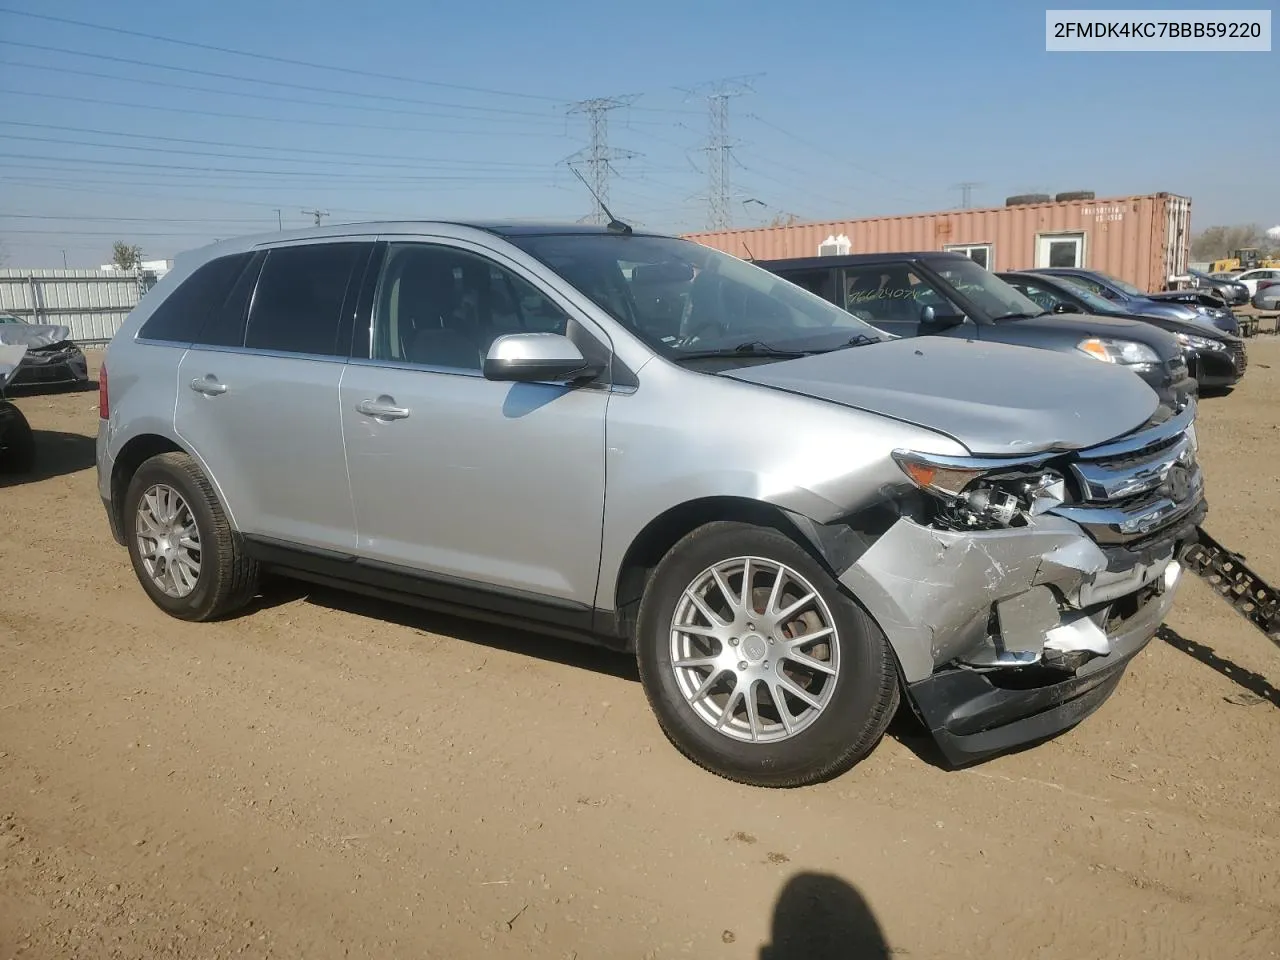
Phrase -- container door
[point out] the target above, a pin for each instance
(1060, 250)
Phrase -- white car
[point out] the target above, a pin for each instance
(1250, 278)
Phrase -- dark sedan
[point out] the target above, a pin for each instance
(1215, 359)
(937, 294)
(1193, 305)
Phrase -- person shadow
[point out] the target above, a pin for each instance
(821, 917)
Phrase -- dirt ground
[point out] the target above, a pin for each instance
(330, 777)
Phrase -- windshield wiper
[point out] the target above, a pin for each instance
(752, 348)
(1020, 315)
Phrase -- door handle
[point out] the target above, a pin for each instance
(384, 408)
(209, 386)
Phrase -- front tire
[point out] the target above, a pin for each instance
(786, 684)
(181, 544)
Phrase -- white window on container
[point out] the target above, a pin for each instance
(835, 246)
(979, 253)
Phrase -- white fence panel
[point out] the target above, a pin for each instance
(93, 303)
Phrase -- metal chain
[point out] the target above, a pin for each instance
(1227, 573)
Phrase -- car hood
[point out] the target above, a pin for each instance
(33, 335)
(995, 399)
(1193, 297)
(1200, 327)
(10, 358)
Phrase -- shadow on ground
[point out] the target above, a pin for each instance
(820, 917)
(1255, 683)
(570, 653)
(57, 454)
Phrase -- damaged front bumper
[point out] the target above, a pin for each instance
(1010, 633)
(1008, 636)
(47, 366)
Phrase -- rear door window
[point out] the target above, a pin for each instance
(180, 316)
(299, 299)
(820, 282)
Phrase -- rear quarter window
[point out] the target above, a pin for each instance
(182, 315)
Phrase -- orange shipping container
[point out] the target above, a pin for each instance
(1142, 239)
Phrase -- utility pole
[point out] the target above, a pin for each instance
(598, 155)
(966, 191)
(64, 259)
(719, 149)
(317, 214)
(280, 219)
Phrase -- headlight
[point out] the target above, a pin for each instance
(1118, 351)
(983, 497)
(1199, 343)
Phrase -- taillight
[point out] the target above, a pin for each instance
(104, 406)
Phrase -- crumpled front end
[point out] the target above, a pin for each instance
(1014, 606)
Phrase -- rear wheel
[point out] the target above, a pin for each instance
(17, 441)
(181, 543)
(757, 665)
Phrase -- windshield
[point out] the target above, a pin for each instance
(1093, 303)
(683, 298)
(1122, 286)
(984, 289)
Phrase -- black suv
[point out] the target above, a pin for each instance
(948, 295)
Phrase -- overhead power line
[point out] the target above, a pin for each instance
(532, 119)
(188, 111)
(245, 146)
(80, 218)
(328, 175)
(845, 159)
(354, 71)
(504, 111)
(496, 166)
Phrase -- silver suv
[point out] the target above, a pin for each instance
(790, 517)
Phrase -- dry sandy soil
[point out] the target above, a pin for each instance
(329, 777)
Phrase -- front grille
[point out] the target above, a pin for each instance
(1135, 487)
(1239, 358)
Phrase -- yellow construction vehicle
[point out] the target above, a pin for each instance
(1246, 258)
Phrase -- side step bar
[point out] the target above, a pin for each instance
(1226, 572)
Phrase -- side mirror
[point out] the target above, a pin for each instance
(537, 357)
(929, 318)
(1063, 307)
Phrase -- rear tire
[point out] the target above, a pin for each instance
(200, 577)
(717, 697)
(18, 445)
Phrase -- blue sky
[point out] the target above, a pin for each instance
(851, 110)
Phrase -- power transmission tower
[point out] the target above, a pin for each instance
(966, 191)
(598, 155)
(317, 214)
(719, 148)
